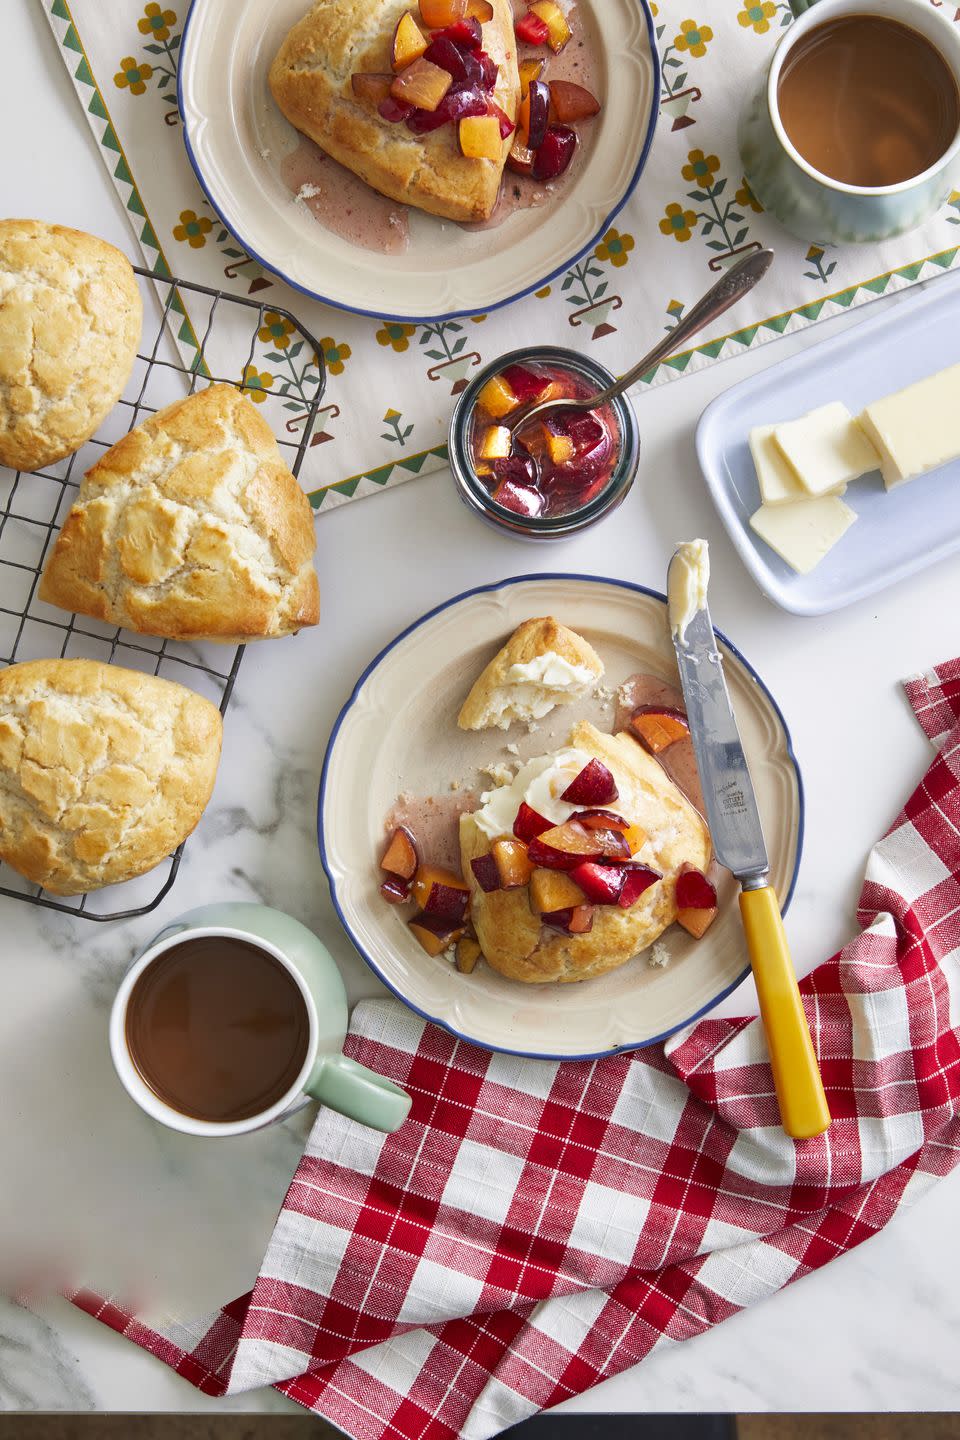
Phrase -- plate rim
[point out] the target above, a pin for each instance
(347, 706)
(397, 317)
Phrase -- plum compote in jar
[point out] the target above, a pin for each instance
(557, 473)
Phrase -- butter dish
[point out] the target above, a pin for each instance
(899, 531)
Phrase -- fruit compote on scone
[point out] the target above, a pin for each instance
(558, 462)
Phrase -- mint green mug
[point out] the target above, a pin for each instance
(327, 1074)
(811, 204)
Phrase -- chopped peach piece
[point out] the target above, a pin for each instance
(635, 837)
(437, 14)
(658, 729)
(468, 953)
(409, 42)
(560, 448)
(400, 857)
(496, 398)
(495, 444)
(480, 137)
(434, 941)
(530, 70)
(569, 102)
(422, 84)
(429, 875)
(513, 863)
(480, 10)
(553, 17)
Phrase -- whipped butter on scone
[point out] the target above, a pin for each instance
(511, 934)
(103, 771)
(311, 81)
(543, 664)
(70, 316)
(191, 527)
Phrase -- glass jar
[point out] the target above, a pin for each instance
(478, 496)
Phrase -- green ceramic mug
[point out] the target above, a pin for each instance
(811, 204)
(326, 1075)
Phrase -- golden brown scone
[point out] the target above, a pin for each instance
(70, 315)
(103, 771)
(500, 696)
(310, 81)
(511, 935)
(191, 527)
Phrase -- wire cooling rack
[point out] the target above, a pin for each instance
(33, 506)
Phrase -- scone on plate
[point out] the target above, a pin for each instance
(667, 831)
(543, 664)
(191, 527)
(312, 82)
(103, 771)
(70, 316)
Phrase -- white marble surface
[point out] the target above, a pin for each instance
(86, 1176)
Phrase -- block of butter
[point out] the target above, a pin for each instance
(804, 532)
(918, 428)
(777, 481)
(826, 449)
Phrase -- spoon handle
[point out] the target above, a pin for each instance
(730, 288)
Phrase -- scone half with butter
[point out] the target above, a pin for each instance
(191, 527)
(70, 317)
(542, 665)
(103, 771)
(667, 835)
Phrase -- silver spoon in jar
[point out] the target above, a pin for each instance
(731, 287)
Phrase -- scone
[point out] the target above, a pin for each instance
(543, 664)
(70, 316)
(191, 527)
(511, 935)
(103, 771)
(311, 82)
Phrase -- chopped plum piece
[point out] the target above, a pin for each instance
(639, 878)
(480, 138)
(409, 42)
(556, 152)
(521, 158)
(448, 56)
(576, 921)
(507, 126)
(489, 70)
(480, 10)
(552, 890)
(436, 14)
(558, 31)
(521, 499)
(594, 785)
(657, 728)
(422, 85)
(528, 824)
(565, 846)
(400, 857)
(529, 70)
(429, 875)
(694, 891)
(532, 30)
(457, 104)
(603, 884)
(518, 469)
(395, 891)
(525, 385)
(601, 820)
(487, 875)
(447, 901)
(534, 113)
(435, 937)
(466, 33)
(512, 862)
(394, 110)
(569, 102)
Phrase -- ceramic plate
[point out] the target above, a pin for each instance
(236, 139)
(896, 533)
(397, 732)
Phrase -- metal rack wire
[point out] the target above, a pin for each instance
(34, 506)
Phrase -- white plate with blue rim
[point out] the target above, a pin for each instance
(397, 732)
(236, 140)
(897, 532)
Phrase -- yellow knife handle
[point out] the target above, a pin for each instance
(796, 1074)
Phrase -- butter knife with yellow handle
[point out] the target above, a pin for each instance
(739, 845)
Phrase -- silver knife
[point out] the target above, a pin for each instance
(737, 835)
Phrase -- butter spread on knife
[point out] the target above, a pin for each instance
(687, 582)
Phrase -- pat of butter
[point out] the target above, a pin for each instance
(777, 480)
(804, 532)
(917, 429)
(552, 671)
(539, 783)
(687, 581)
(826, 449)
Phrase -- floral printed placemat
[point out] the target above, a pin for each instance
(391, 386)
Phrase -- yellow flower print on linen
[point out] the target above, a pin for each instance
(747, 199)
(335, 354)
(700, 169)
(256, 383)
(133, 75)
(193, 228)
(615, 248)
(275, 330)
(678, 222)
(757, 17)
(156, 22)
(395, 335)
(693, 38)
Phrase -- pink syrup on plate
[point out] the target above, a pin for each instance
(343, 203)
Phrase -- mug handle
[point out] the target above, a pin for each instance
(359, 1093)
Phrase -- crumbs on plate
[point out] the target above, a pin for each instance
(659, 954)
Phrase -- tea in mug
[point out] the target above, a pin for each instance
(868, 101)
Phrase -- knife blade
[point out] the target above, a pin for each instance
(737, 834)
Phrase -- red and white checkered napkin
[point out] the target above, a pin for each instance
(536, 1227)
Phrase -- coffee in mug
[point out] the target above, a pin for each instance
(217, 1028)
(868, 101)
